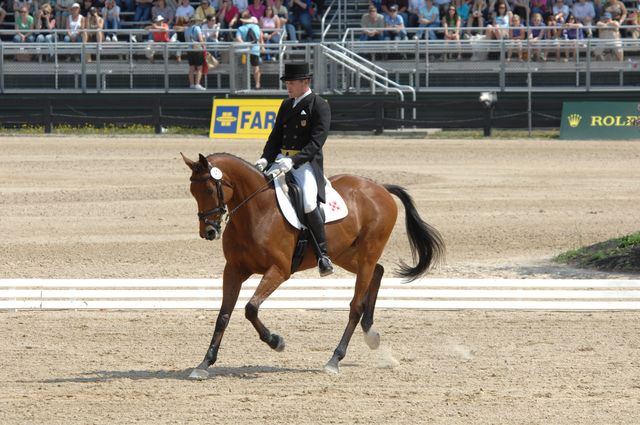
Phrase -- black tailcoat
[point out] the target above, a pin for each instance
(304, 128)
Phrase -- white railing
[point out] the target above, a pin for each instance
(433, 294)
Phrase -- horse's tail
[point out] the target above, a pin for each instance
(427, 245)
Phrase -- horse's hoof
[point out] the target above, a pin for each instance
(331, 368)
(372, 338)
(199, 374)
(279, 343)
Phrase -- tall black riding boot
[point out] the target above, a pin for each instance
(316, 225)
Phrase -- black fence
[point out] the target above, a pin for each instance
(349, 112)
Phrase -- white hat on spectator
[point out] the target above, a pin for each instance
(159, 18)
(75, 5)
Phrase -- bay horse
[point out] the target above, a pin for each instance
(258, 240)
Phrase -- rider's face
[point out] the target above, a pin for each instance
(297, 88)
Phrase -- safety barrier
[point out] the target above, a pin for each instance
(435, 294)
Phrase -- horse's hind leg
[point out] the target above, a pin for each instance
(269, 283)
(357, 306)
(371, 336)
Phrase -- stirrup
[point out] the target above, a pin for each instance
(325, 266)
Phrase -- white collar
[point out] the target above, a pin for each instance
(298, 99)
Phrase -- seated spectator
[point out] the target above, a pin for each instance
(538, 6)
(429, 17)
(283, 16)
(412, 13)
(451, 24)
(536, 36)
(443, 6)
(270, 26)
(185, 10)
(180, 28)
(228, 16)
(522, 9)
(249, 32)
(516, 35)
(94, 24)
(143, 11)
(111, 16)
(168, 12)
(617, 9)
(402, 8)
(377, 4)
(257, 8)
(62, 10)
(211, 30)
(373, 25)
(45, 25)
(394, 24)
(24, 26)
(203, 10)
(560, 11)
(158, 33)
(572, 34)
(29, 4)
(584, 12)
(499, 28)
(3, 14)
(476, 15)
(463, 9)
(242, 5)
(300, 14)
(85, 5)
(553, 35)
(609, 29)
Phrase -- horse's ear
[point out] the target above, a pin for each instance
(204, 162)
(191, 164)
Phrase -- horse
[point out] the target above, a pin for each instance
(258, 240)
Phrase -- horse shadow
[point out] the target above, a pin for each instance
(241, 372)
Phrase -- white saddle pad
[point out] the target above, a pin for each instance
(334, 209)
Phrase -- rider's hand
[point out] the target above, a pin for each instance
(261, 164)
(285, 164)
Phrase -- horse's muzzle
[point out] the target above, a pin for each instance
(211, 233)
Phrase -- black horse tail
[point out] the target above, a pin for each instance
(427, 245)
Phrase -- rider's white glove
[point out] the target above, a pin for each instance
(261, 164)
(285, 164)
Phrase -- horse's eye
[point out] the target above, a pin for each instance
(210, 191)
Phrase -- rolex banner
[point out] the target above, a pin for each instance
(600, 120)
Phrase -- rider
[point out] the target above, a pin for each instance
(295, 144)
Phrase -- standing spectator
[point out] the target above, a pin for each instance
(257, 8)
(572, 34)
(429, 18)
(536, 35)
(24, 26)
(451, 24)
(584, 12)
(476, 16)
(194, 36)
(394, 24)
(609, 29)
(111, 16)
(185, 10)
(45, 25)
(168, 12)
(228, 17)
(203, 10)
(516, 35)
(143, 11)
(283, 15)
(249, 32)
(373, 25)
(300, 14)
(270, 25)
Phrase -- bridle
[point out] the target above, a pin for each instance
(221, 209)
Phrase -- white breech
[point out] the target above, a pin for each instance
(303, 175)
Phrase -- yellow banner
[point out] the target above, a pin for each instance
(243, 118)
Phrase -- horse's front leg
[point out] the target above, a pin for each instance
(269, 283)
(231, 283)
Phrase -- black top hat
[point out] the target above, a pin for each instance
(296, 71)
